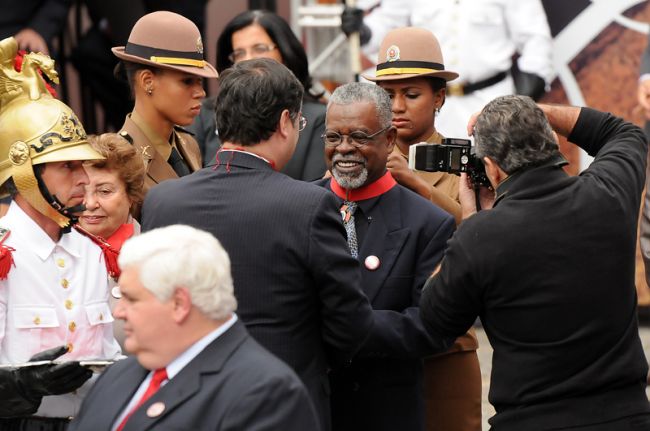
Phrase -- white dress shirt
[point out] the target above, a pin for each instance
(175, 366)
(56, 294)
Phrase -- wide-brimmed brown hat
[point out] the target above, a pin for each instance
(410, 52)
(167, 40)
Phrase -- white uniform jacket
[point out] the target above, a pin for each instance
(56, 294)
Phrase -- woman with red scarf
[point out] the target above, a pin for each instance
(115, 189)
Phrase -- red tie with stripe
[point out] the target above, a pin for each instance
(159, 376)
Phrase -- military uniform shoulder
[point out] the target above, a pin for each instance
(179, 129)
(123, 133)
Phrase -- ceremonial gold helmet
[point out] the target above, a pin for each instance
(35, 128)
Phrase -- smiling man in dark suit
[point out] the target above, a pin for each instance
(399, 238)
(194, 366)
(296, 283)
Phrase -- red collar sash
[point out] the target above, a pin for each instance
(369, 191)
(111, 247)
(120, 236)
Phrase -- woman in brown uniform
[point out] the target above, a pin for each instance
(411, 70)
(164, 65)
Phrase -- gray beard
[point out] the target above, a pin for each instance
(348, 181)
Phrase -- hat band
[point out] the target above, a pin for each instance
(165, 56)
(402, 67)
(176, 60)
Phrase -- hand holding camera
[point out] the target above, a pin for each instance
(473, 199)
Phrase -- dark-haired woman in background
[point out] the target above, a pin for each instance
(255, 34)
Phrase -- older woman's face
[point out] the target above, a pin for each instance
(107, 204)
(253, 42)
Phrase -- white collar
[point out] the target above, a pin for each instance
(175, 366)
(38, 240)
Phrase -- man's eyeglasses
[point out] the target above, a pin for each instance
(255, 50)
(357, 139)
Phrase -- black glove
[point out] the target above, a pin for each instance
(41, 380)
(352, 22)
(13, 403)
(529, 84)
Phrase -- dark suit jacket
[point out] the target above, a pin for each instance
(307, 162)
(382, 388)
(233, 384)
(296, 284)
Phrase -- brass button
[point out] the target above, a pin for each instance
(37, 320)
(61, 262)
(68, 304)
(101, 316)
(70, 347)
(65, 283)
(72, 326)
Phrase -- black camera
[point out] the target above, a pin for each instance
(452, 155)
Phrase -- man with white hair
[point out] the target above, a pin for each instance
(194, 365)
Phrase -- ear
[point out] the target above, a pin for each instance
(181, 304)
(391, 139)
(285, 125)
(494, 173)
(439, 98)
(144, 79)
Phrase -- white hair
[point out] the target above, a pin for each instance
(182, 256)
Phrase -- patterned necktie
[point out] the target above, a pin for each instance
(159, 376)
(347, 212)
(177, 163)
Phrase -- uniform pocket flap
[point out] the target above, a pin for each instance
(35, 317)
(99, 313)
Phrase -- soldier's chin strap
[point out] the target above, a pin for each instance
(69, 212)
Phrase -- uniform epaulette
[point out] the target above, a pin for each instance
(125, 135)
(182, 130)
(6, 256)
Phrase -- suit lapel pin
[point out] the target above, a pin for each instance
(156, 409)
(115, 292)
(372, 262)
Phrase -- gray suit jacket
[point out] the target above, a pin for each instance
(233, 384)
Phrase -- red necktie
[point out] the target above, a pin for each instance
(159, 376)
